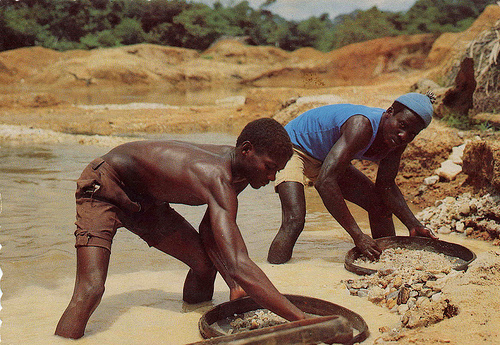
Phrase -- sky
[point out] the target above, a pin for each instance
(303, 9)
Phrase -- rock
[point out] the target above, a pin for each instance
(391, 303)
(436, 297)
(436, 285)
(392, 295)
(403, 295)
(376, 294)
(444, 230)
(460, 226)
(457, 154)
(411, 302)
(448, 170)
(429, 181)
(458, 100)
(402, 308)
(362, 292)
(482, 163)
(464, 209)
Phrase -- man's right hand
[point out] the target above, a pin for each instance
(368, 247)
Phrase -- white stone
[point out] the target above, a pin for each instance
(436, 297)
(429, 181)
(444, 230)
(448, 170)
(402, 308)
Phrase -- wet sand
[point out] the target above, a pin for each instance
(143, 299)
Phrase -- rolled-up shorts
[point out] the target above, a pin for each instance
(103, 206)
(301, 168)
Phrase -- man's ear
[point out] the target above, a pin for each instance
(246, 147)
(390, 111)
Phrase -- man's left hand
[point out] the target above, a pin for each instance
(422, 231)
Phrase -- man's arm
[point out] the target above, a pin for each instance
(392, 196)
(356, 135)
(232, 253)
(210, 246)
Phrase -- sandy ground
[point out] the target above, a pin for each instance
(475, 292)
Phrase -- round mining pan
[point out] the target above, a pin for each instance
(461, 255)
(211, 324)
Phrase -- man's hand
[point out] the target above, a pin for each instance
(422, 231)
(368, 247)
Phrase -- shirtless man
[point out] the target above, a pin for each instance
(133, 186)
(326, 140)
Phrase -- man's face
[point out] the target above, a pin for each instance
(261, 168)
(401, 128)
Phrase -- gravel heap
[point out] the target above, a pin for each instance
(408, 282)
(255, 319)
(474, 217)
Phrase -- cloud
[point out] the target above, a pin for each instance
(302, 9)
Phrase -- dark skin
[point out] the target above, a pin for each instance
(339, 180)
(190, 174)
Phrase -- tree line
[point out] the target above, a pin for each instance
(87, 24)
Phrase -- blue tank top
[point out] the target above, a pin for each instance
(318, 129)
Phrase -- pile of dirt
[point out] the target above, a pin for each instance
(20, 64)
(482, 164)
(237, 52)
(448, 50)
(356, 64)
(474, 292)
(228, 62)
(476, 217)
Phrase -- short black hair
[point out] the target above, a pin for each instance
(267, 136)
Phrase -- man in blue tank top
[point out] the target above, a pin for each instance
(326, 140)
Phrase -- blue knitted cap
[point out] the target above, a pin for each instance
(420, 104)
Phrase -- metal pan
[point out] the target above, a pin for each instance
(209, 322)
(463, 256)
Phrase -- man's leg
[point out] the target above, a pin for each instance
(91, 272)
(293, 207)
(183, 242)
(359, 189)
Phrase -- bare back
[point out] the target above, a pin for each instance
(171, 171)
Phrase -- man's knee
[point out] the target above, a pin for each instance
(294, 219)
(89, 292)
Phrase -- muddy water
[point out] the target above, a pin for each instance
(124, 95)
(143, 299)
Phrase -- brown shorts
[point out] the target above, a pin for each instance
(103, 206)
(300, 168)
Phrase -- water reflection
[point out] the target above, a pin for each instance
(136, 94)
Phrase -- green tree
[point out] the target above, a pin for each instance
(130, 31)
(201, 26)
(362, 26)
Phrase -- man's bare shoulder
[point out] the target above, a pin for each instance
(357, 122)
(174, 171)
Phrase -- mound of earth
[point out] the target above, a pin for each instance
(447, 51)
(228, 62)
(356, 64)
